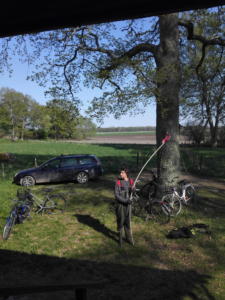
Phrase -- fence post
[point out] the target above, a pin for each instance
(137, 159)
(3, 170)
(200, 162)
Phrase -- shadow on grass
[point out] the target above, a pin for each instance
(97, 225)
(124, 281)
(213, 205)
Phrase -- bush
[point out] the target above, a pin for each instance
(41, 134)
(195, 133)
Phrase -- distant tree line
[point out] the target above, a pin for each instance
(21, 117)
(126, 129)
(199, 134)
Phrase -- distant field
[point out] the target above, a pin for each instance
(125, 133)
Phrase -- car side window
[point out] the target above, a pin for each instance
(69, 162)
(53, 164)
(86, 160)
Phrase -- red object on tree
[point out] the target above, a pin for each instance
(166, 139)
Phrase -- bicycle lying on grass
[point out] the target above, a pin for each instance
(26, 201)
(19, 212)
(49, 204)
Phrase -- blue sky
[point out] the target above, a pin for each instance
(18, 82)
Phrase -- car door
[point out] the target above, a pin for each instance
(68, 167)
(50, 171)
(88, 165)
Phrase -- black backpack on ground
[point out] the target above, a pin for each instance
(189, 231)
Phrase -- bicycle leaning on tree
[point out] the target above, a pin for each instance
(148, 206)
(184, 194)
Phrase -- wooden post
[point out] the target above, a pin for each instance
(3, 170)
(137, 159)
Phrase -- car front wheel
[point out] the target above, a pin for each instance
(27, 181)
(82, 177)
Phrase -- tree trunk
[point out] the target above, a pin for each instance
(213, 135)
(167, 108)
(22, 130)
(13, 125)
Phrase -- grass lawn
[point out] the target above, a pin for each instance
(81, 244)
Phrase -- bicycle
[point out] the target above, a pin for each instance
(146, 205)
(188, 192)
(139, 205)
(26, 201)
(19, 212)
(157, 210)
(184, 193)
(160, 209)
(48, 204)
(148, 190)
(144, 193)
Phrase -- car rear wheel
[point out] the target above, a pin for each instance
(82, 177)
(27, 181)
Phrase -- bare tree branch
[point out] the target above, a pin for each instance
(64, 72)
(205, 42)
(144, 47)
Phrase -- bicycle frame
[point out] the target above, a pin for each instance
(184, 191)
(17, 215)
(40, 203)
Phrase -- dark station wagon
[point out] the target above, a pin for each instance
(62, 168)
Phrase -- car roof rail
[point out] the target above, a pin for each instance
(76, 154)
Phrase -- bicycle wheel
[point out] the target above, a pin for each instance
(8, 226)
(135, 205)
(139, 207)
(157, 213)
(49, 206)
(60, 202)
(148, 190)
(189, 195)
(171, 204)
(23, 212)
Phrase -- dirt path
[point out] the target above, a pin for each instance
(205, 182)
(209, 182)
